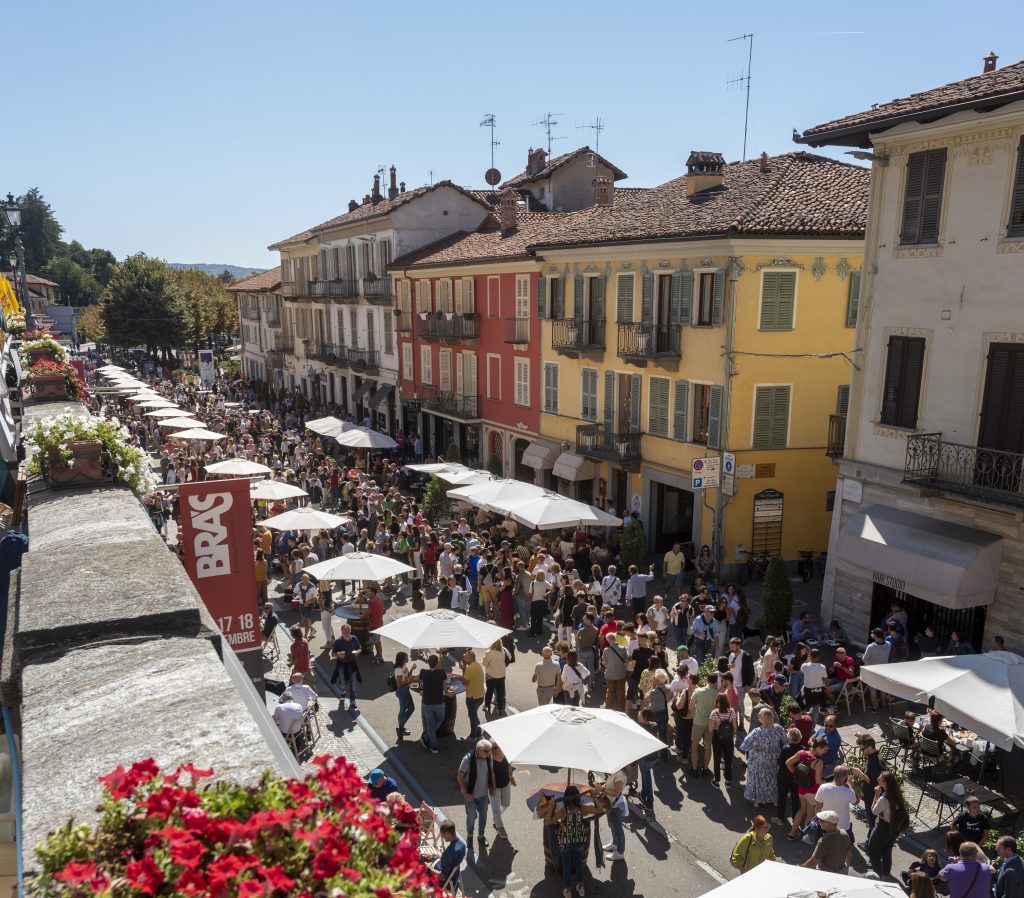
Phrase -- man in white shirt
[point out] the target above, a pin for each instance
(683, 659)
(636, 588)
(837, 796)
(303, 695)
(288, 714)
(816, 685)
(611, 589)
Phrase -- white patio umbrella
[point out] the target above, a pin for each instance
(155, 403)
(467, 476)
(364, 438)
(358, 566)
(497, 491)
(552, 510)
(306, 519)
(329, 426)
(441, 629)
(984, 693)
(774, 880)
(181, 422)
(436, 467)
(274, 490)
(108, 368)
(237, 467)
(198, 433)
(171, 412)
(575, 738)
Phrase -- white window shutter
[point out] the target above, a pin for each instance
(458, 296)
(471, 388)
(468, 296)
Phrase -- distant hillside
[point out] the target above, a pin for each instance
(236, 271)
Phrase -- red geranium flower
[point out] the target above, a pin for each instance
(76, 872)
(117, 783)
(144, 875)
(187, 853)
(191, 882)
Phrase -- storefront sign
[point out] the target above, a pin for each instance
(765, 470)
(889, 581)
(768, 507)
(216, 526)
(744, 472)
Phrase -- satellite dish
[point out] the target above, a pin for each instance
(492, 176)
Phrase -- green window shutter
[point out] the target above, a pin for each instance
(853, 300)
(715, 418)
(843, 399)
(577, 299)
(609, 400)
(551, 388)
(588, 403)
(599, 298)
(1016, 226)
(787, 299)
(771, 417)
(780, 418)
(719, 298)
(542, 297)
(624, 299)
(677, 299)
(648, 299)
(657, 412)
(679, 410)
(769, 301)
(557, 298)
(686, 297)
(634, 403)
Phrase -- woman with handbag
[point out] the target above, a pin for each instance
(754, 847)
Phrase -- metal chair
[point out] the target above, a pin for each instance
(431, 844)
(852, 690)
(931, 756)
(456, 876)
(903, 736)
(941, 801)
(311, 725)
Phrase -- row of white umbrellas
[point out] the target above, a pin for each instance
(533, 505)
(347, 434)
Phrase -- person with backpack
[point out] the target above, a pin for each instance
(656, 706)
(574, 677)
(754, 847)
(891, 818)
(808, 773)
(723, 723)
(476, 780)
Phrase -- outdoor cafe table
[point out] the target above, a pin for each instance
(948, 795)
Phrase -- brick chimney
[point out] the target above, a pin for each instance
(602, 191)
(393, 185)
(401, 186)
(536, 159)
(367, 200)
(352, 205)
(764, 163)
(990, 62)
(508, 211)
(704, 170)
(376, 194)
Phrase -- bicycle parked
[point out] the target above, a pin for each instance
(811, 564)
(756, 566)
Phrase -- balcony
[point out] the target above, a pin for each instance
(642, 342)
(465, 408)
(363, 359)
(324, 352)
(296, 291)
(449, 326)
(836, 436)
(988, 474)
(594, 441)
(517, 330)
(251, 313)
(377, 290)
(275, 358)
(274, 319)
(570, 336)
(342, 288)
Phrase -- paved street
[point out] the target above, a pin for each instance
(694, 826)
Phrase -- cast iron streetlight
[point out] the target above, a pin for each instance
(12, 212)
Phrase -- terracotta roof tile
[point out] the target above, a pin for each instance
(556, 163)
(259, 283)
(1002, 85)
(33, 280)
(373, 210)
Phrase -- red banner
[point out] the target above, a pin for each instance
(216, 526)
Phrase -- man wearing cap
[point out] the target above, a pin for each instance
(381, 785)
(773, 695)
(832, 853)
(704, 631)
(683, 659)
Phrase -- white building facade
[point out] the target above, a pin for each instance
(260, 324)
(929, 507)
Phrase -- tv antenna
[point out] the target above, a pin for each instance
(491, 122)
(548, 123)
(597, 127)
(740, 79)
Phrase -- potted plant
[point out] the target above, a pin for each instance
(38, 345)
(73, 451)
(54, 380)
(179, 834)
(16, 323)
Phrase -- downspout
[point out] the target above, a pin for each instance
(732, 273)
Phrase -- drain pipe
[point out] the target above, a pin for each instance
(732, 274)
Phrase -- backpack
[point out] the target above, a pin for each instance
(392, 682)
(726, 728)
(803, 775)
(747, 670)
(900, 821)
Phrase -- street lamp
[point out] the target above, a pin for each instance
(12, 212)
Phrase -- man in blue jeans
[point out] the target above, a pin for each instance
(344, 651)
(612, 790)
(476, 780)
(433, 681)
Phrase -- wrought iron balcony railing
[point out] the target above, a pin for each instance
(836, 436)
(641, 340)
(594, 441)
(455, 404)
(573, 335)
(275, 358)
(380, 291)
(342, 288)
(325, 352)
(989, 474)
(363, 359)
(448, 326)
(517, 330)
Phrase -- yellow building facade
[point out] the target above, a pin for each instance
(656, 354)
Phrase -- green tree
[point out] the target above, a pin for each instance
(778, 598)
(144, 305)
(210, 309)
(435, 499)
(632, 546)
(90, 324)
(494, 465)
(103, 264)
(76, 253)
(40, 232)
(77, 285)
(226, 277)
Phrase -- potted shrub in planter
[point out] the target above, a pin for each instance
(38, 345)
(76, 451)
(16, 323)
(54, 380)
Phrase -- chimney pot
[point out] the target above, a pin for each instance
(508, 211)
(990, 62)
(376, 189)
(764, 163)
(536, 159)
(602, 191)
(392, 186)
(401, 186)
(704, 169)
(352, 205)
(366, 200)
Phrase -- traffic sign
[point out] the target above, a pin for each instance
(707, 470)
(729, 473)
(697, 482)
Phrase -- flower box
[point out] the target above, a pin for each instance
(43, 352)
(49, 386)
(85, 466)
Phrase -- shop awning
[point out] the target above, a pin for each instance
(363, 389)
(938, 561)
(380, 395)
(570, 466)
(541, 454)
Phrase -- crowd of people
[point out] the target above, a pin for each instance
(684, 663)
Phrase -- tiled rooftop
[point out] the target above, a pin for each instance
(259, 283)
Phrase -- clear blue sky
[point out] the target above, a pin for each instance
(203, 131)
